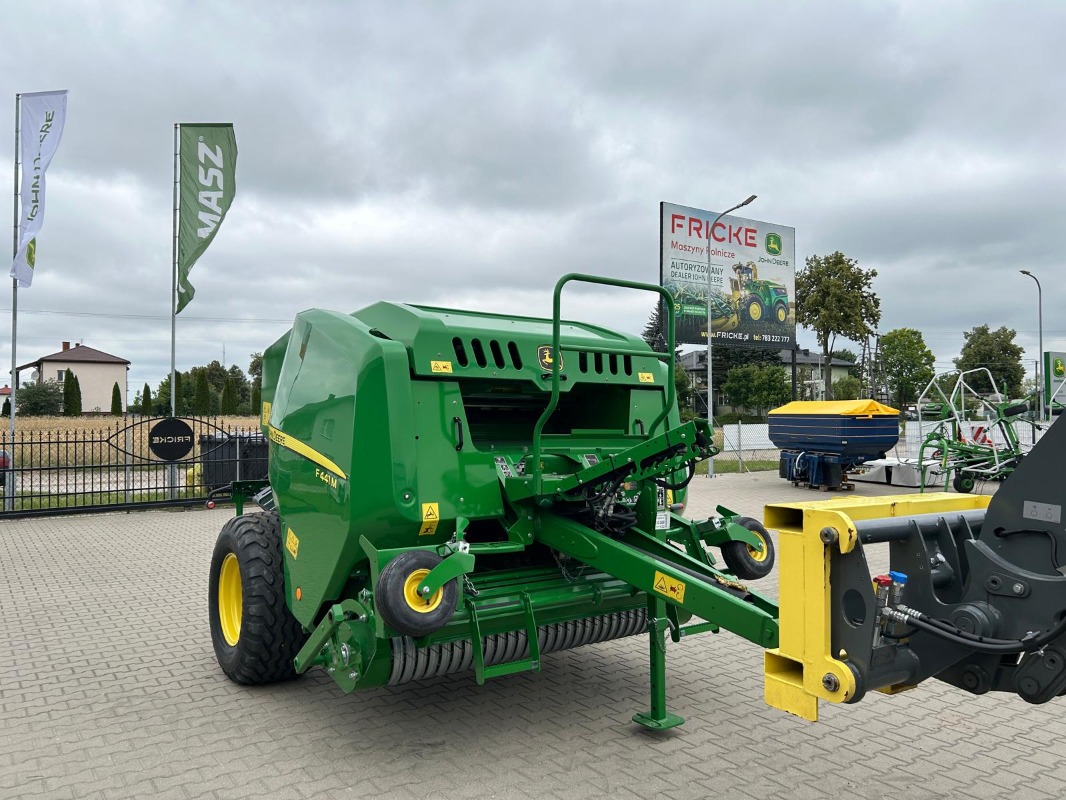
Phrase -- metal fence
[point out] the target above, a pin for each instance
(78, 465)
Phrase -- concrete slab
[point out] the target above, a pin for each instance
(109, 688)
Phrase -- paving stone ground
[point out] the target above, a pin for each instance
(109, 688)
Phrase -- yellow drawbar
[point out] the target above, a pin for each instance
(802, 669)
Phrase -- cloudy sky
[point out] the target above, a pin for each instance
(468, 154)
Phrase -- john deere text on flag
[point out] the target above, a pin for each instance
(42, 115)
(207, 181)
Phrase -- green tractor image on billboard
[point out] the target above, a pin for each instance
(757, 299)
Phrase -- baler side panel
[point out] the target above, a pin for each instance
(335, 373)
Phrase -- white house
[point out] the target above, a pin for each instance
(97, 373)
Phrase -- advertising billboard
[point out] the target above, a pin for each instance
(1054, 378)
(752, 285)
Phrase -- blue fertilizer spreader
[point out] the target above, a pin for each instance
(822, 440)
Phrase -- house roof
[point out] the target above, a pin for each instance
(78, 354)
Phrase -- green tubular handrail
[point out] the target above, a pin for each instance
(671, 389)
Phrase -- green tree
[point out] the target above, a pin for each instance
(183, 395)
(908, 364)
(240, 382)
(185, 392)
(162, 396)
(255, 374)
(201, 403)
(146, 401)
(116, 401)
(6, 412)
(255, 367)
(42, 399)
(846, 388)
(77, 397)
(68, 395)
(655, 331)
(996, 352)
(229, 397)
(757, 387)
(834, 298)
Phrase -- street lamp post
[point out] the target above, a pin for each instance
(710, 325)
(1040, 359)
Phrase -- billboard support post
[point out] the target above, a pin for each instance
(710, 327)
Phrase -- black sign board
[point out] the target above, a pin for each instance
(170, 439)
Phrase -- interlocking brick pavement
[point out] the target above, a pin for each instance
(109, 689)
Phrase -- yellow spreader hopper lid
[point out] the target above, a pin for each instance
(840, 408)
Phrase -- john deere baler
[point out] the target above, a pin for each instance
(458, 491)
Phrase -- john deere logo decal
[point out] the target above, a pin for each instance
(544, 356)
(773, 244)
(1059, 369)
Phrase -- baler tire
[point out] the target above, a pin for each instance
(267, 635)
(745, 562)
(396, 585)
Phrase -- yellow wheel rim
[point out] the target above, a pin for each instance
(759, 555)
(414, 600)
(782, 315)
(230, 599)
(755, 311)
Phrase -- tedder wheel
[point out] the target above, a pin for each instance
(963, 483)
(254, 633)
(745, 561)
(754, 308)
(781, 313)
(397, 600)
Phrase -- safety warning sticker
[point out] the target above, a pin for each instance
(646, 377)
(440, 366)
(292, 544)
(670, 587)
(430, 518)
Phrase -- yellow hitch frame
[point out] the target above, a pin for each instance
(802, 669)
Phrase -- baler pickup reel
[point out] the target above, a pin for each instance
(973, 593)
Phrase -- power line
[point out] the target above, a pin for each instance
(143, 316)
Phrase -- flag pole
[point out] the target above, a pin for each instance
(174, 283)
(14, 281)
(9, 495)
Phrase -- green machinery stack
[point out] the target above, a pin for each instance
(462, 491)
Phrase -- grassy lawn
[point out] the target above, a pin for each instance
(729, 466)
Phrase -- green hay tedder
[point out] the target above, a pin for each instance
(453, 491)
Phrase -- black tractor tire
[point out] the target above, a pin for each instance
(746, 562)
(754, 309)
(781, 313)
(398, 604)
(962, 483)
(254, 634)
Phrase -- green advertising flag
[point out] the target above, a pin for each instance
(207, 182)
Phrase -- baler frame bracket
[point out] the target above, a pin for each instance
(337, 615)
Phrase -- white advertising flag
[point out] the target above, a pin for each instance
(41, 128)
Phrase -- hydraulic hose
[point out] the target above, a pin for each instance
(982, 644)
(677, 487)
